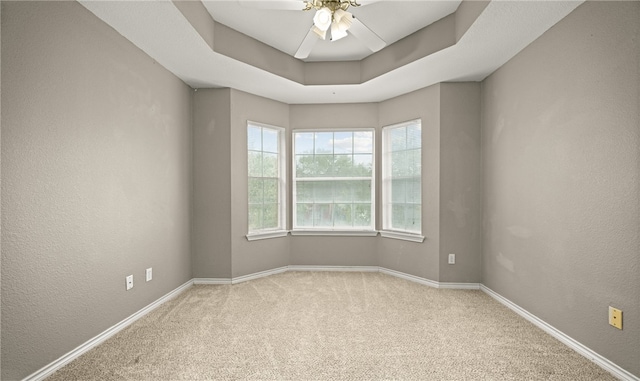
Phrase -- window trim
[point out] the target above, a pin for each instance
(332, 231)
(387, 231)
(281, 230)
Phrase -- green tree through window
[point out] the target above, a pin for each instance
(266, 177)
(402, 177)
(333, 180)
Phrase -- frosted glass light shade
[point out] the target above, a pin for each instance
(337, 32)
(322, 18)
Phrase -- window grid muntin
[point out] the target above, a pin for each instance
(397, 207)
(276, 205)
(317, 208)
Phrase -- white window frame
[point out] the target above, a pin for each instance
(342, 231)
(281, 229)
(387, 215)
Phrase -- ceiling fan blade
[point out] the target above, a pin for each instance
(366, 35)
(286, 5)
(307, 44)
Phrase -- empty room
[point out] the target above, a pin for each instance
(320, 190)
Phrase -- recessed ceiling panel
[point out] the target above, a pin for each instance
(285, 29)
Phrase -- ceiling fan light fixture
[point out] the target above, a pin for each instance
(343, 19)
(322, 19)
(337, 32)
(321, 33)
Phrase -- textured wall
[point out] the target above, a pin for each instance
(460, 182)
(211, 233)
(561, 178)
(96, 167)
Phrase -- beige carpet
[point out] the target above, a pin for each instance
(331, 326)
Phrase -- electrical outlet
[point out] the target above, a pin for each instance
(149, 274)
(452, 259)
(129, 282)
(615, 317)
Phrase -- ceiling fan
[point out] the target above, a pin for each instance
(331, 20)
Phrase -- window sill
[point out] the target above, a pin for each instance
(402, 236)
(266, 235)
(339, 233)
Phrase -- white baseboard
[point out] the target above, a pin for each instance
(334, 268)
(601, 361)
(431, 283)
(211, 280)
(409, 277)
(74, 354)
(257, 275)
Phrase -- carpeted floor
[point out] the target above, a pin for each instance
(331, 326)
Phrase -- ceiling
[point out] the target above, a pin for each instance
(285, 29)
(177, 42)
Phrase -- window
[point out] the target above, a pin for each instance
(266, 182)
(333, 180)
(402, 178)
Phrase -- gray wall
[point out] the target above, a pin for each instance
(96, 166)
(211, 233)
(561, 178)
(460, 182)
(451, 185)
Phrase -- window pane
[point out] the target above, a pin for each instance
(305, 165)
(304, 191)
(398, 139)
(255, 217)
(413, 217)
(264, 193)
(323, 191)
(270, 190)
(399, 164)
(362, 191)
(363, 142)
(270, 216)
(322, 215)
(414, 163)
(414, 136)
(342, 215)
(270, 164)
(343, 165)
(304, 143)
(323, 142)
(402, 184)
(324, 165)
(304, 215)
(362, 165)
(256, 191)
(398, 191)
(362, 215)
(414, 191)
(326, 196)
(343, 142)
(254, 138)
(397, 216)
(255, 164)
(343, 191)
(269, 140)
